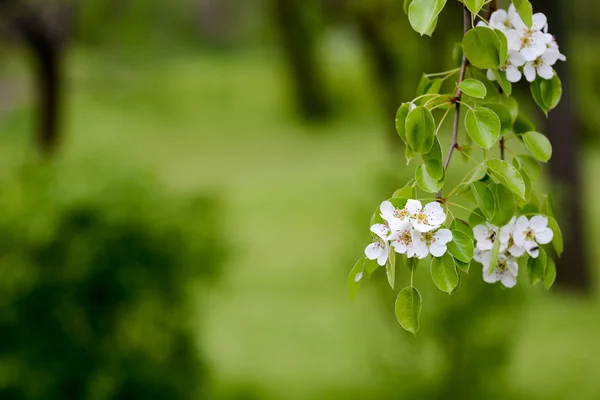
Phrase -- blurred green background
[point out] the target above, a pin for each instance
(185, 185)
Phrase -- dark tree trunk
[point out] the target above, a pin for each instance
(46, 50)
(384, 68)
(563, 130)
(300, 50)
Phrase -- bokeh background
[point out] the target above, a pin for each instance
(185, 185)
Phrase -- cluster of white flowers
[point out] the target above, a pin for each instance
(519, 237)
(413, 230)
(533, 48)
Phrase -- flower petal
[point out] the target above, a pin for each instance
(358, 276)
(530, 72)
(373, 251)
(481, 232)
(516, 59)
(491, 278)
(387, 210)
(438, 250)
(532, 248)
(513, 74)
(539, 222)
(380, 230)
(490, 75)
(413, 206)
(382, 259)
(544, 236)
(539, 21)
(516, 251)
(421, 250)
(508, 280)
(421, 227)
(522, 223)
(443, 236)
(545, 71)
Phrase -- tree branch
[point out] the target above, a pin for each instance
(458, 95)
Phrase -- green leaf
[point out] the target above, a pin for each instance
(483, 48)
(528, 188)
(371, 266)
(536, 267)
(406, 5)
(538, 145)
(557, 241)
(529, 166)
(461, 246)
(355, 277)
(483, 126)
(408, 309)
(484, 198)
(407, 192)
(503, 81)
(433, 161)
(503, 49)
(464, 267)
(426, 182)
(525, 11)
(423, 13)
(475, 218)
(507, 175)
(428, 86)
(444, 273)
(506, 206)
(474, 5)
(547, 93)
(477, 174)
(550, 275)
(390, 268)
(409, 154)
(473, 88)
(494, 254)
(401, 120)
(462, 226)
(420, 130)
(503, 113)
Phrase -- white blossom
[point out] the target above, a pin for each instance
(529, 234)
(507, 242)
(401, 240)
(428, 219)
(378, 250)
(542, 66)
(485, 235)
(531, 42)
(554, 46)
(511, 68)
(395, 217)
(505, 271)
(431, 242)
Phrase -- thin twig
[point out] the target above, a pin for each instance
(458, 95)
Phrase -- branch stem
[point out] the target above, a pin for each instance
(458, 95)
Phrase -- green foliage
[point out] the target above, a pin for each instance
(483, 48)
(426, 181)
(408, 309)
(525, 10)
(538, 145)
(420, 130)
(423, 14)
(444, 273)
(473, 88)
(461, 246)
(547, 93)
(536, 267)
(96, 287)
(483, 126)
(355, 278)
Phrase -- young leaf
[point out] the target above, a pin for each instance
(423, 13)
(420, 130)
(462, 226)
(390, 268)
(408, 309)
(473, 88)
(547, 92)
(484, 198)
(507, 175)
(525, 11)
(536, 267)
(426, 182)
(461, 246)
(355, 277)
(463, 266)
(401, 120)
(483, 48)
(371, 266)
(443, 272)
(477, 174)
(407, 192)
(475, 218)
(433, 161)
(529, 165)
(557, 241)
(483, 126)
(506, 206)
(506, 122)
(494, 254)
(538, 145)
(474, 5)
(550, 275)
(503, 81)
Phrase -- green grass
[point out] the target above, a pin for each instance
(280, 320)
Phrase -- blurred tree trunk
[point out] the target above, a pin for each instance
(384, 66)
(46, 50)
(300, 49)
(562, 127)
